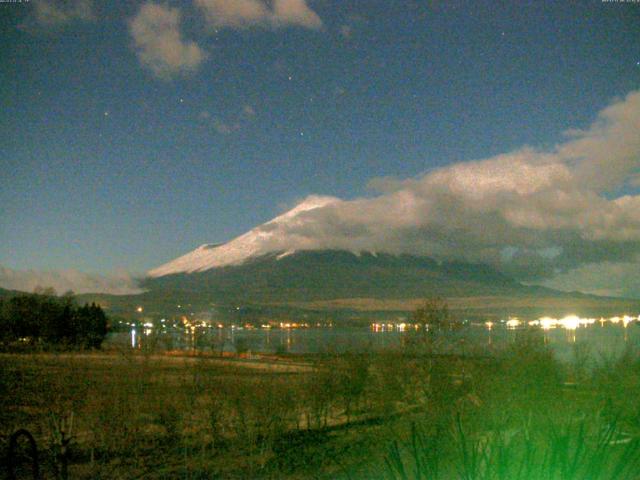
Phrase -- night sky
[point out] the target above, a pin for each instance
(132, 132)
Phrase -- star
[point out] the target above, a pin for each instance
(182, 100)
(106, 114)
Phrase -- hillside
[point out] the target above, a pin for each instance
(330, 274)
(340, 281)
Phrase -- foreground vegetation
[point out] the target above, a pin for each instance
(514, 413)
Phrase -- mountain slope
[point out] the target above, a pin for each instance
(273, 266)
(331, 274)
(258, 241)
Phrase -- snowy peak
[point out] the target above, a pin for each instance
(260, 240)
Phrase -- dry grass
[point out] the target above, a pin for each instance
(157, 416)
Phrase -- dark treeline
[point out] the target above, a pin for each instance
(44, 318)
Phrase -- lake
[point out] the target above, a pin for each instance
(602, 337)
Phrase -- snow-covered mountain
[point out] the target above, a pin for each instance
(291, 261)
(263, 239)
(280, 261)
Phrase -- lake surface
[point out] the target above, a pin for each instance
(600, 338)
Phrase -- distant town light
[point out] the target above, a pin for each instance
(513, 323)
(570, 322)
(547, 323)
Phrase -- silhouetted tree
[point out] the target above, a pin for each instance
(91, 325)
(43, 317)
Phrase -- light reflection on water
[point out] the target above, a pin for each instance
(608, 337)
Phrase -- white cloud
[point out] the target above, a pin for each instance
(159, 43)
(234, 13)
(550, 211)
(118, 283)
(294, 12)
(52, 13)
(257, 13)
(606, 154)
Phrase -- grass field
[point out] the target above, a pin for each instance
(516, 414)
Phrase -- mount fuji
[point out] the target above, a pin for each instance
(271, 264)
(279, 264)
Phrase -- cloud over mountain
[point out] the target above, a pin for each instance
(118, 283)
(533, 213)
(526, 203)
